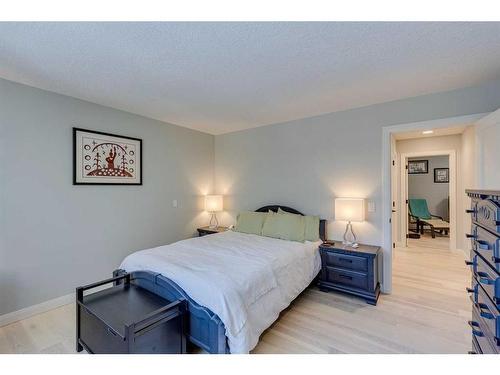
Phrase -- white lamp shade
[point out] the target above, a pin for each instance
(350, 209)
(213, 203)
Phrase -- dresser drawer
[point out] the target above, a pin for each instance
(488, 214)
(348, 278)
(473, 290)
(98, 337)
(473, 209)
(489, 317)
(476, 349)
(480, 333)
(488, 279)
(350, 262)
(487, 245)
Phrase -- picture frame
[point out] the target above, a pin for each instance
(101, 158)
(441, 175)
(418, 166)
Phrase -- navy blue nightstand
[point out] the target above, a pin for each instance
(207, 230)
(350, 270)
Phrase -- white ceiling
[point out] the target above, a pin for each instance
(222, 77)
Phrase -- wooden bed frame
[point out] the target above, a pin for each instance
(204, 328)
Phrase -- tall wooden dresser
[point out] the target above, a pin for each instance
(485, 267)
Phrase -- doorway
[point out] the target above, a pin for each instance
(428, 198)
(389, 164)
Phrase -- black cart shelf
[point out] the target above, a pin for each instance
(126, 318)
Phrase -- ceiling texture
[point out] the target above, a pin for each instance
(224, 77)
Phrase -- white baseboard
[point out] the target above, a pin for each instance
(36, 309)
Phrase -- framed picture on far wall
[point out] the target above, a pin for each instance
(441, 175)
(418, 166)
(106, 159)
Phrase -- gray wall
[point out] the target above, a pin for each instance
(306, 163)
(423, 186)
(55, 236)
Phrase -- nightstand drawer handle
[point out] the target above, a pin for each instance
(345, 277)
(345, 260)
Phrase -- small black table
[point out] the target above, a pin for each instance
(350, 270)
(126, 318)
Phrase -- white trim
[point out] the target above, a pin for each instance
(36, 309)
(452, 191)
(481, 125)
(492, 119)
(387, 131)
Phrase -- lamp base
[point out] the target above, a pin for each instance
(214, 223)
(349, 236)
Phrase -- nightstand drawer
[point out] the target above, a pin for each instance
(348, 278)
(350, 262)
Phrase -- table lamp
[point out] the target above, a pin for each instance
(213, 204)
(349, 209)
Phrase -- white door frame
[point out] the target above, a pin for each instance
(387, 131)
(452, 191)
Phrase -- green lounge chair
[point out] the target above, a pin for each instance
(419, 211)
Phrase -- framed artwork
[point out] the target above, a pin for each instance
(441, 175)
(106, 159)
(418, 166)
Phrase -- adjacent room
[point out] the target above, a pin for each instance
(429, 198)
(249, 187)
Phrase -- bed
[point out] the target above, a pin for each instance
(234, 296)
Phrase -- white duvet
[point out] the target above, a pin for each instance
(247, 280)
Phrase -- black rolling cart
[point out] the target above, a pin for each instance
(126, 318)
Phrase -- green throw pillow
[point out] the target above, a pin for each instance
(311, 232)
(312, 228)
(250, 222)
(285, 227)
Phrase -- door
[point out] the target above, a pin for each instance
(405, 211)
(394, 195)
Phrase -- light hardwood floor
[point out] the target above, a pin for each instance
(426, 240)
(426, 313)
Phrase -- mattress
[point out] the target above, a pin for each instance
(247, 280)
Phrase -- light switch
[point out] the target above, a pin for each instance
(371, 206)
(174, 203)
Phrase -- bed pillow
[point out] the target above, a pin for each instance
(284, 227)
(250, 222)
(311, 230)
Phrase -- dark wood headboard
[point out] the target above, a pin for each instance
(274, 208)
